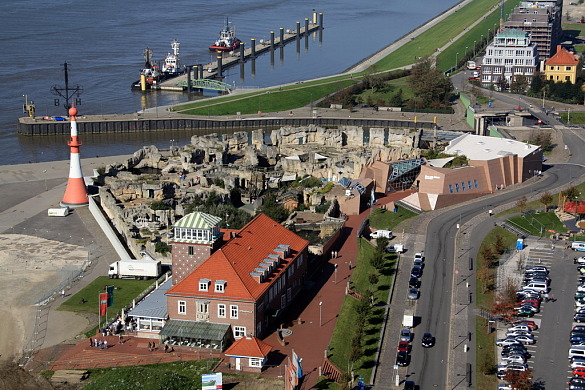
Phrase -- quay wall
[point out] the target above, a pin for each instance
(31, 127)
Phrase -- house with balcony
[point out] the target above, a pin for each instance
(511, 55)
(561, 67)
(239, 289)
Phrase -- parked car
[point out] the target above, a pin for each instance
(531, 324)
(419, 255)
(579, 371)
(381, 233)
(514, 358)
(514, 333)
(507, 341)
(578, 362)
(413, 293)
(579, 327)
(525, 339)
(579, 260)
(416, 271)
(402, 358)
(395, 248)
(579, 317)
(414, 282)
(524, 311)
(578, 339)
(404, 346)
(539, 268)
(405, 335)
(409, 385)
(524, 328)
(577, 383)
(428, 340)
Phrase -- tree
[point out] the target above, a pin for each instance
(521, 203)
(162, 247)
(519, 84)
(571, 193)
(488, 255)
(546, 199)
(499, 246)
(484, 278)
(159, 205)
(504, 307)
(397, 100)
(519, 380)
(429, 85)
(272, 209)
(542, 138)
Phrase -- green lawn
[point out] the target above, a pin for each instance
(485, 298)
(168, 376)
(346, 323)
(485, 355)
(125, 290)
(575, 118)
(300, 95)
(538, 224)
(388, 219)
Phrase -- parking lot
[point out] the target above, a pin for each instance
(548, 355)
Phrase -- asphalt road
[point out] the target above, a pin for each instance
(429, 367)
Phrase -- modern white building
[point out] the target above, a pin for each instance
(510, 55)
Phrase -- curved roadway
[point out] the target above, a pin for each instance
(431, 368)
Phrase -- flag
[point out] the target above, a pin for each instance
(103, 298)
(296, 361)
(110, 291)
(373, 197)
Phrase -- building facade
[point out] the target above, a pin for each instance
(541, 19)
(245, 284)
(561, 67)
(509, 56)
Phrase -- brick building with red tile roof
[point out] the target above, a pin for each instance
(243, 284)
(248, 354)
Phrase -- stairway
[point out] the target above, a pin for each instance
(330, 371)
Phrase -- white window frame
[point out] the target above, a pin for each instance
(239, 332)
(203, 286)
(221, 308)
(256, 362)
(219, 287)
(234, 312)
(182, 307)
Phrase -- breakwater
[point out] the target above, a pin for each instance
(128, 123)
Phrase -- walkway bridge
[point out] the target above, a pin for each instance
(206, 84)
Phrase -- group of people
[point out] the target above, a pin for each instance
(101, 344)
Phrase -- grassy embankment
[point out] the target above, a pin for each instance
(347, 322)
(300, 95)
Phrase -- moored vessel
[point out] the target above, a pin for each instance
(152, 74)
(227, 40)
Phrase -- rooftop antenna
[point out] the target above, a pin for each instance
(67, 93)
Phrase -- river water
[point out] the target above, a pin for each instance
(103, 44)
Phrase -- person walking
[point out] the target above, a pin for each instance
(90, 342)
(105, 344)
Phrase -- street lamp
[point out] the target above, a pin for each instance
(474, 47)
(45, 176)
(456, 55)
(335, 273)
(320, 316)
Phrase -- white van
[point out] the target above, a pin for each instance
(537, 286)
(578, 246)
(577, 351)
(381, 233)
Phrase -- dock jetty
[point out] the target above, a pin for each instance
(225, 60)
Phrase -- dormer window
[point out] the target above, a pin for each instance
(220, 286)
(204, 284)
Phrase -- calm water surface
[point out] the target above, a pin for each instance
(103, 44)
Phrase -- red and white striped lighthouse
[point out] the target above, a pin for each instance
(76, 191)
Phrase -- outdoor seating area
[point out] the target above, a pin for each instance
(193, 344)
(194, 334)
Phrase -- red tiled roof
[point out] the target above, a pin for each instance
(562, 57)
(249, 347)
(237, 258)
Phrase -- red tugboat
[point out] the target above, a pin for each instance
(227, 40)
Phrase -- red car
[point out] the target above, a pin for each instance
(579, 371)
(531, 324)
(404, 346)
